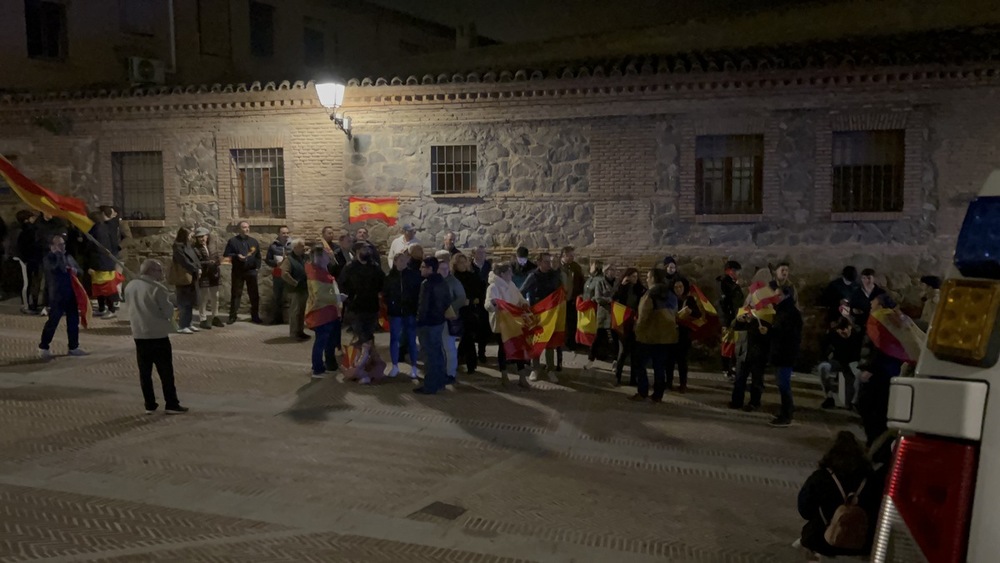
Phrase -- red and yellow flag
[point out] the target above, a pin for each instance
(895, 335)
(82, 301)
(516, 326)
(383, 314)
(550, 314)
(384, 209)
(105, 284)
(707, 323)
(69, 208)
(622, 317)
(586, 321)
(763, 297)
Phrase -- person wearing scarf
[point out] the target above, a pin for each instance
(322, 310)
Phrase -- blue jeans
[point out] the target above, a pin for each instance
(432, 346)
(659, 356)
(450, 351)
(56, 311)
(333, 344)
(398, 328)
(784, 377)
(321, 347)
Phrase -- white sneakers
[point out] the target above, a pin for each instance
(533, 376)
(77, 352)
(553, 378)
(44, 354)
(394, 371)
(194, 328)
(47, 354)
(185, 330)
(589, 364)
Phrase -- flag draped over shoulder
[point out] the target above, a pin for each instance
(385, 209)
(69, 208)
(82, 301)
(763, 297)
(895, 335)
(551, 319)
(622, 317)
(105, 284)
(516, 330)
(586, 321)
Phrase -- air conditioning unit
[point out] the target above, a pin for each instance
(146, 71)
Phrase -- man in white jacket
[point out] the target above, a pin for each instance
(502, 288)
(151, 315)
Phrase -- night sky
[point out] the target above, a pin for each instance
(534, 20)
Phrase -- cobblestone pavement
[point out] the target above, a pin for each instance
(271, 466)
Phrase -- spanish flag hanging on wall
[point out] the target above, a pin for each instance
(586, 321)
(622, 317)
(895, 335)
(384, 209)
(551, 315)
(69, 208)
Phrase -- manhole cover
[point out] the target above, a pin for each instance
(441, 510)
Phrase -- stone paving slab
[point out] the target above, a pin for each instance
(271, 466)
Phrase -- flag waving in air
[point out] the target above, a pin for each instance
(707, 323)
(385, 209)
(586, 321)
(69, 208)
(895, 335)
(105, 284)
(82, 301)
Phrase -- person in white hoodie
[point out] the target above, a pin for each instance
(502, 288)
(151, 315)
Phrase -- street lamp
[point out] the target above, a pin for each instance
(331, 96)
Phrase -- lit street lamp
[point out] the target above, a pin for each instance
(331, 96)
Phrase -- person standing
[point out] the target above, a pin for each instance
(59, 269)
(276, 253)
(502, 288)
(522, 266)
(293, 275)
(877, 369)
(730, 300)
(402, 295)
(342, 255)
(402, 242)
(540, 284)
(103, 267)
(374, 256)
(482, 267)
(46, 228)
(786, 340)
(184, 273)
(449, 243)
(655, 337)
(670, 267)
(244, 253)
(454, 325)
(572, 282)
(836, 291)
(600, 289)
(28, 252)
(931, 289)
(688, 309)
(475, 293)
(628, 292)
(322, 314)
(362, 281)
(435, 299)
(151, 317)
(209, 280)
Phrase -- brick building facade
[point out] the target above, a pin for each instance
(625, 161)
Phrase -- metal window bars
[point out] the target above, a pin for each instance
(260, 175)
(137, 179)
(453, 169)
(729, 174)
(868, 171)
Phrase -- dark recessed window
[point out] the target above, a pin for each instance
(213, 28)
(729, 172)
(138, 184)
(45, 23)
(261, 177)
(261, 29)
(313, 44)
(868, 171)
(139, 17)
(453, 169)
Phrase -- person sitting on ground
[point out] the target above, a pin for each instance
(845, 470)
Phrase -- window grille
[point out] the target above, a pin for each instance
(729, 171)
(261, 177)
(138, 184)
(868, 171)
(453, 169)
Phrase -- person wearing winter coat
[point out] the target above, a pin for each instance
(842, 351)
(522, 266)
(296, 282)
(838, 290)
(322, 314)
(60, 268)
(475, 293)
(541, 283)
(243, 252)
(866, 292)
(876, 372)
(628, 291)
(786, 340)
(573, 281)
(209, 280)
(688, 309)
(184, 273)
(844, 470)
(655, 337)
(502, 288)
(401, 294)
(435, 300)
(362, 282)
(102, 265)
(753, 366)
(458, 301)
(931, 286)
(600, 289)
(730, 301)
(28, 252)
(276, 253)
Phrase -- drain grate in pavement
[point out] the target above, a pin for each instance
(440, 510)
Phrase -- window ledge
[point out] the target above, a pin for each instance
(261, 221)
(470, 195)
(157, 223)
(730, 218)
(868, 216)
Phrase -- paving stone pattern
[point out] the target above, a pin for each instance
(271, 466)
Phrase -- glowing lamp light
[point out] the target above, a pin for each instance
(331, 94)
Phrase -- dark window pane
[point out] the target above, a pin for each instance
(728, 174)
(313, 46)
(214, 28)
(868, 171)
(261, 29)
(45, 24)
(454, 169)
(138, 184)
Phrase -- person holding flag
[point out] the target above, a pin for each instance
(786, 340)
(104, 278)
(627, 294)
(756, 318)
(655, 337)
(730, 301)
(503, 302)
(689, 315)
(65, 293)
(539, 285)
(600, 289)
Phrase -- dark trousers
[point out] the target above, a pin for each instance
(432, 348)
(483, 332)
(156, 352)
(605, 337)
(333, 344)
(784, 376)
(278, 291)
(321, 348)
(681, 351)
(187, 296)
(752, 369)
(660, 356)
(34, 284)
(56, 311)
(467, 344)
(625, 356)
(570, 325)
(107, 303)
(239, 279)
(873, 406)
(502, 357)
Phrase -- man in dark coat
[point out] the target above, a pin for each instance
(730, 301)
(276, 253)
(244, 252)
(59, 269)
(786, 340)
(522, 267)
(838, 290)
(435, 298)
(541, 283)
(362, 281)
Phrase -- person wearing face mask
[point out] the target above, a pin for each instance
(522, 266)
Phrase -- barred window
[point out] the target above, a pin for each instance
(868, 171)
(45, 24)
(729, 172)
(453, 169)
(261, 177)
(138, 184)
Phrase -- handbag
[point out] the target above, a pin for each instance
(456, 326)
(179, 276)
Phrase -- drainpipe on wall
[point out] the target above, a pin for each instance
(173, 38)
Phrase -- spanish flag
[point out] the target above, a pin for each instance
(517, 327)
(105, 284)
(82, 301)
(384, 209)
(707, 322)
(622, 317)
(69, 208)
(383, 314)
(895, 335)
(551, 319)
(586, 321)
(763, 297)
